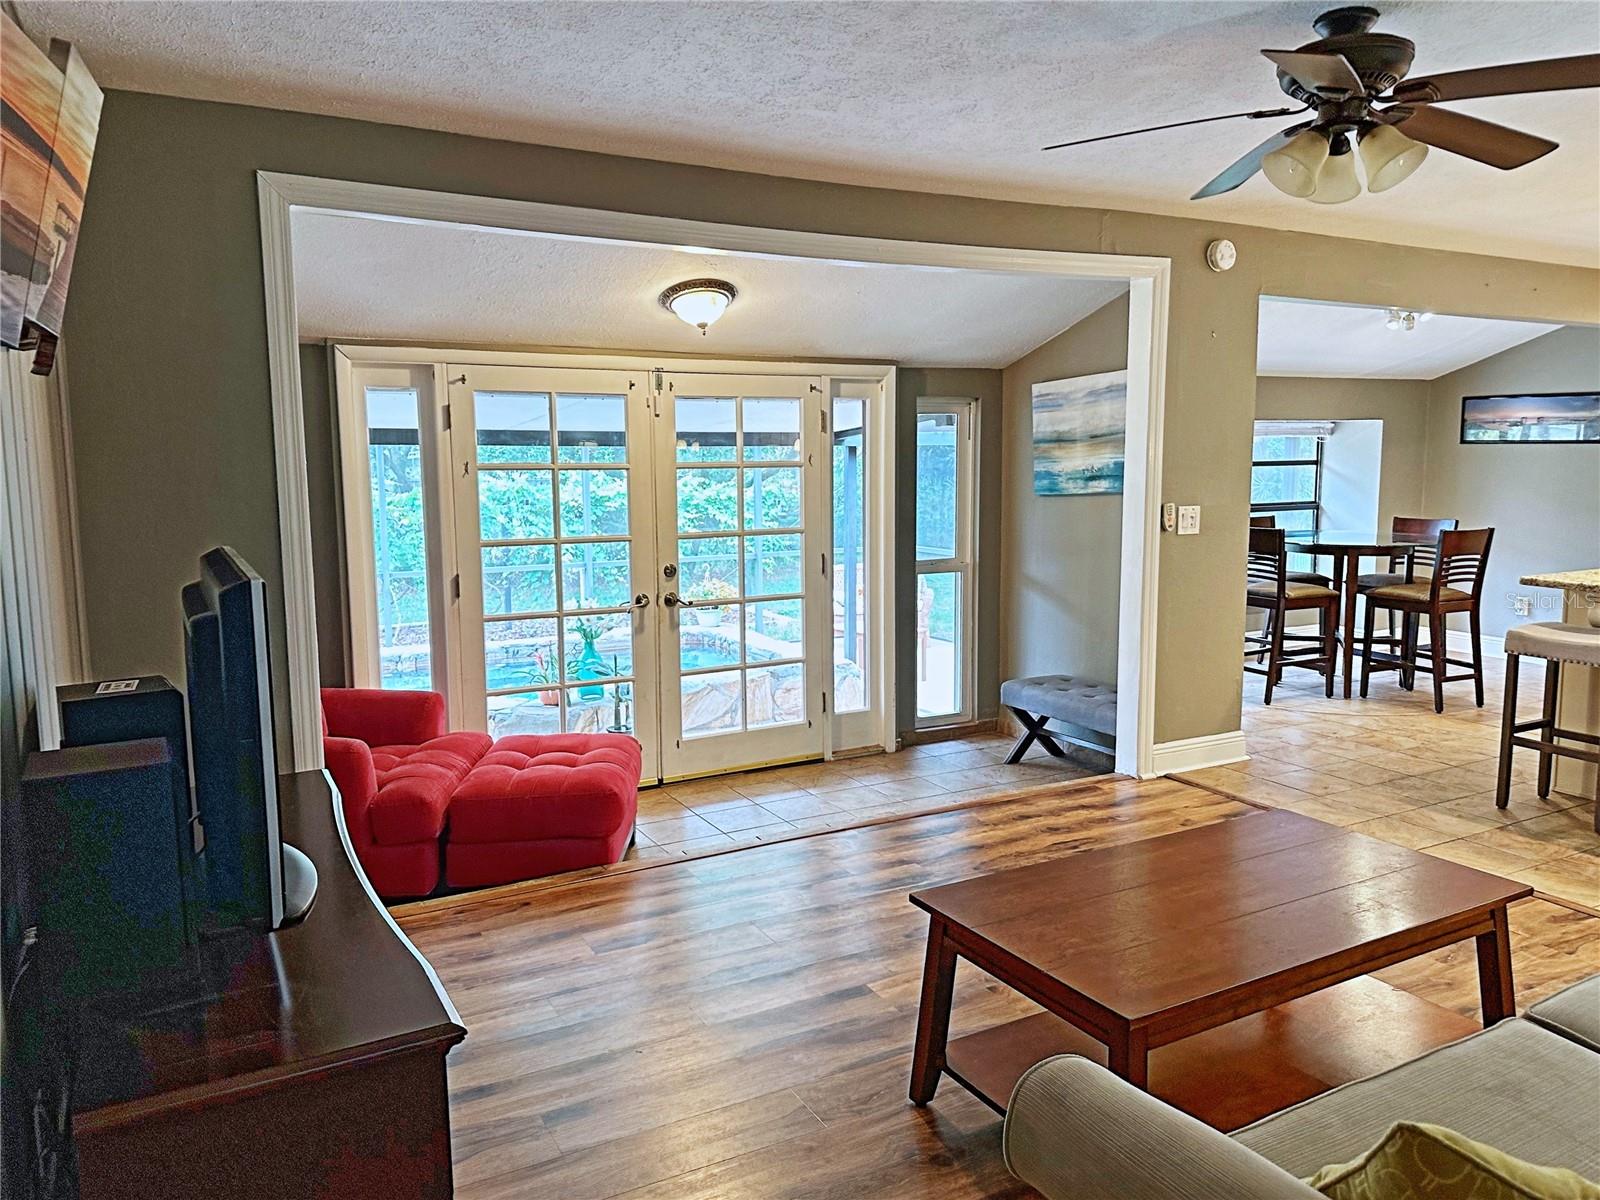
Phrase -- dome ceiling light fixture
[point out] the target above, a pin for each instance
(699, 302)
(1352, 81)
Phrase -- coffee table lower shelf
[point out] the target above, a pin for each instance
(1239, 1072)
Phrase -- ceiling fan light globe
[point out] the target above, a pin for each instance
(1389, 157)
(1295, 167)
(1338, 181)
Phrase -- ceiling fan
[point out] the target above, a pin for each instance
(1343, 77)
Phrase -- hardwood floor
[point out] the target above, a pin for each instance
(740, 1026)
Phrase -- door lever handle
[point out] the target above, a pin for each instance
(673, 600)
(642, 600)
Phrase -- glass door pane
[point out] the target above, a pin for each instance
(940, 648)
(734, 495)
(399, 538)
(938, 481)
(549, 476)
(944, 519)
(850, 581)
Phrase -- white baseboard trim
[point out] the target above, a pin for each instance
(1190, 754)
(1461, 639)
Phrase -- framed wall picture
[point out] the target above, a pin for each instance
(1532, 417)
(1079, 434)
(52, 117)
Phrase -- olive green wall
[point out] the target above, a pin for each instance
(1402, 406)
(948, 383)
(1543, 501)
(1062, 555)
(172, 423)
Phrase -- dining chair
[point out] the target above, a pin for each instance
(1424, 533)
(1456, 586)
(1269, 587)
(1268, 521)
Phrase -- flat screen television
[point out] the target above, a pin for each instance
(253, 879)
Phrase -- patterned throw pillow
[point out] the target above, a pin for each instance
(1414, 1161)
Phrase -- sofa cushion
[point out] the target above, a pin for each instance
(1517, 1086)
(1573, 1012)
(549, 786)
(415, 784)
(1418, 1161)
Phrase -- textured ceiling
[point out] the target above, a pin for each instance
(1341, 341)
(359, 277)
(952, 97)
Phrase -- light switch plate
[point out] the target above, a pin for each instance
(1188, 518)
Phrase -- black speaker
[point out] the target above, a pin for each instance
(123, 710)
(107, 849)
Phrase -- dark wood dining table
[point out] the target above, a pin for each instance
(1346, 548)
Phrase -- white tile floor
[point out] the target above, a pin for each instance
(1391, 767)
(758, 806)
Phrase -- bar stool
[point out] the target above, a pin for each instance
(1558, 644)
(1268, 587)
(1423, 533)
(1268, 521)
(1456, 587)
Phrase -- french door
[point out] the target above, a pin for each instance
(636, 555)
(745, 603)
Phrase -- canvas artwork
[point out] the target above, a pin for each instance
(1531, 417)
(49, 117)
(1079, 430)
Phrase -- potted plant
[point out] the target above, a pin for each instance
(715, 590)
(542, 671)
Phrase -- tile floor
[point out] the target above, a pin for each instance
(758, 806)
(1391, 767)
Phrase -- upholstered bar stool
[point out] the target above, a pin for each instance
(1559, 645)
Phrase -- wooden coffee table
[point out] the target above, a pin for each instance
(1219, 968)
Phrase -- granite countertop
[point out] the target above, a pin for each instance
(1588, 578)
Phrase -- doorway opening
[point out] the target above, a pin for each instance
(861, 578)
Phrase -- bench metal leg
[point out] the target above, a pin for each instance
(1033, 731)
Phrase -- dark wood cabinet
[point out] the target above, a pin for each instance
(317, 1067)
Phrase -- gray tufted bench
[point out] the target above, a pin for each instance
(1089, 709)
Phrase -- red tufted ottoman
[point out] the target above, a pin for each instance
(536, 805)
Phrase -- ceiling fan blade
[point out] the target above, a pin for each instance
(1546, 75)
(1319, 72)
(1247, 166)
(1106, 137)
(1458, 133)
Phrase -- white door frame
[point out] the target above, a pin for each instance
(874, 724)
(1149, 287)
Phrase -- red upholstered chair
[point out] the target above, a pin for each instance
(396, 768)
(536, 805)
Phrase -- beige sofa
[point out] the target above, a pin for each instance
(1529, 1086)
